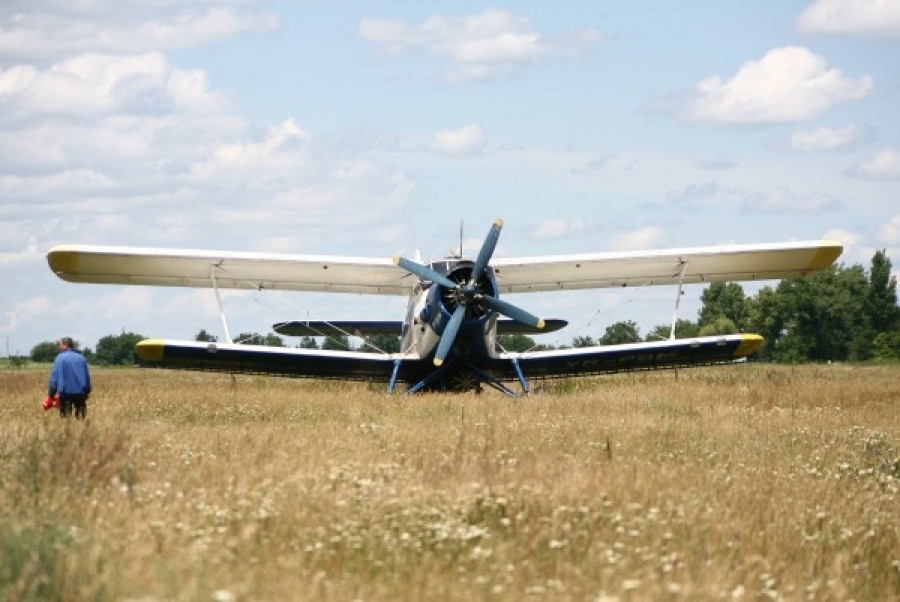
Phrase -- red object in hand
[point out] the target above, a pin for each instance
(50, 403)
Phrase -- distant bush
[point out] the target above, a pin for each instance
(117, 350)
(46, 351)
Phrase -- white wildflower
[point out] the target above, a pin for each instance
(223, 595)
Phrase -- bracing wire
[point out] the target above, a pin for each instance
(292, 306)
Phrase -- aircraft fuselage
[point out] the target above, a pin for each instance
(431, 307)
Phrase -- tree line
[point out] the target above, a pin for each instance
(838, 314)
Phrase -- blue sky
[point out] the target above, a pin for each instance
(374, 128)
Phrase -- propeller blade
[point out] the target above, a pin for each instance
(423, 272)
(449, 335)
(487, 249)
(511, 311)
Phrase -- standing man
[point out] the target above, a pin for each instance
(71, 379)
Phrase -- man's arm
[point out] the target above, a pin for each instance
(87, 378)
(54, 378)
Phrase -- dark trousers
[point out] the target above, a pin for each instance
(73, 401)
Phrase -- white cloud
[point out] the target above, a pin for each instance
(636, 240)
(784, 200)
(478, 47)
(94, 84)
(277, 153)
(788, 84)
(461, 141)
(124, 303)
(845, 237)
(885, 165)
(890, 230)
(824, 139)
(869, 18)
(718, 164)
(24, 311)
(39, 32)
(30, 254)
(70, 181)
(694, 193)
(554, 227)
(94, 126)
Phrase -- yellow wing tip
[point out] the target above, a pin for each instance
(396, 259)
(151, 350)
(750, 344)
(827, 254)
(62, 259)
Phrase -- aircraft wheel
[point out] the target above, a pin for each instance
(464, 382)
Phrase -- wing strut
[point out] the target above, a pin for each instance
(520, 374)
(681, 268)
(393, 381)
(212, 275)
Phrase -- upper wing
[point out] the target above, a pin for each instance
(277, 361)
(626, 358)
(641, 268)
(183, 267)
(173, 267)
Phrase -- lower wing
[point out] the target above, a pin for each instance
(359, 328)
(275, 361)
(630, 357)
(355, 365)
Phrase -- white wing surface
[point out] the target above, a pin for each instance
(191, 268)
(643, 268)
(196, 268)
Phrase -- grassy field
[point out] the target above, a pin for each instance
(738, 483)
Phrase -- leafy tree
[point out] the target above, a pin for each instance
(837, 314)
(720, 325)
(252, 338)
(17, 361)
(724, 299)
(205, 337)
(114, 350)
(765, 319)
(621, 332)
(881, 298)
(684, 329)
(45, 351)
(389, 343)
(813, 318)
(886, 346)
(337, 343)
(515, 342)
(520, 342)
(308, 343)
(583, 341)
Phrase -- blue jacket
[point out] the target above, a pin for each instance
(69, 375)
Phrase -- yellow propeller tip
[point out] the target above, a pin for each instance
(498, 222)
(438, 361)
(541, 323)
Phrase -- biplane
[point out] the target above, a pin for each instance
(454, 312)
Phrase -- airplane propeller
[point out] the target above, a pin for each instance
(466, 293)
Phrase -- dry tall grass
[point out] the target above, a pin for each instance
(750, 482)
